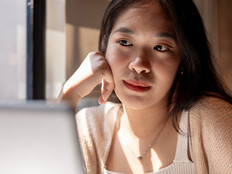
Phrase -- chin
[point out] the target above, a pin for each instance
(134, 102)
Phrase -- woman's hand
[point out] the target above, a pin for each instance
(93, 70)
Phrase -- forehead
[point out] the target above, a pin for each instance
(149, 13)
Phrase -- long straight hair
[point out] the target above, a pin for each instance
(197, 75)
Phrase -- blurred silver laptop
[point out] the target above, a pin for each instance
(39, 138)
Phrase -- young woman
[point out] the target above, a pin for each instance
(174, 116)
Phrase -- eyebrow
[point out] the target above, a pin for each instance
(166, 35)
(124, 30)
(162, 35)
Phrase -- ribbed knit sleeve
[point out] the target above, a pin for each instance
(211, 136)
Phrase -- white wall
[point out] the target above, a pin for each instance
(12, 49)
(55, 47)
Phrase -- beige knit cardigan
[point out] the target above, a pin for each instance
(210, 128)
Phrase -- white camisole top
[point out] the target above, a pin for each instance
(181, 163)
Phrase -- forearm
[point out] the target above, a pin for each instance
(93, 70)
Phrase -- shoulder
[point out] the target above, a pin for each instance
(210, 129)
(97, 115)
(211, 108)
(94, 120)
(211, 114)
(211, 122)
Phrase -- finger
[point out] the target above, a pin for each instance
(106, 91)
(101, 101)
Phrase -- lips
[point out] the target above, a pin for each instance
(137, 86)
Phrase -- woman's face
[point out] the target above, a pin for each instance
(144, 56)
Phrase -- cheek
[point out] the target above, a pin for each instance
(166, 70)
(110, 54)
(115, 57)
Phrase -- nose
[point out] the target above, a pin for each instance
(140, 64)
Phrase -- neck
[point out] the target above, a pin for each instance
(143, 123)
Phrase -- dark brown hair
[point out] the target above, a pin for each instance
(200, 77)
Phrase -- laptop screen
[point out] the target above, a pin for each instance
(39, 138)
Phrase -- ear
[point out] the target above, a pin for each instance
(181, 70)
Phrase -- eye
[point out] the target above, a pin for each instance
(161, 48)
(125, 43)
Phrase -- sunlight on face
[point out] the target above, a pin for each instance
(144, 57)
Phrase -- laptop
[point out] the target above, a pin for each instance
(39, 138)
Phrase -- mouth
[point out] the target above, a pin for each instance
(137, 86)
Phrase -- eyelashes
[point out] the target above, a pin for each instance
(159, 47)
(125, 43)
